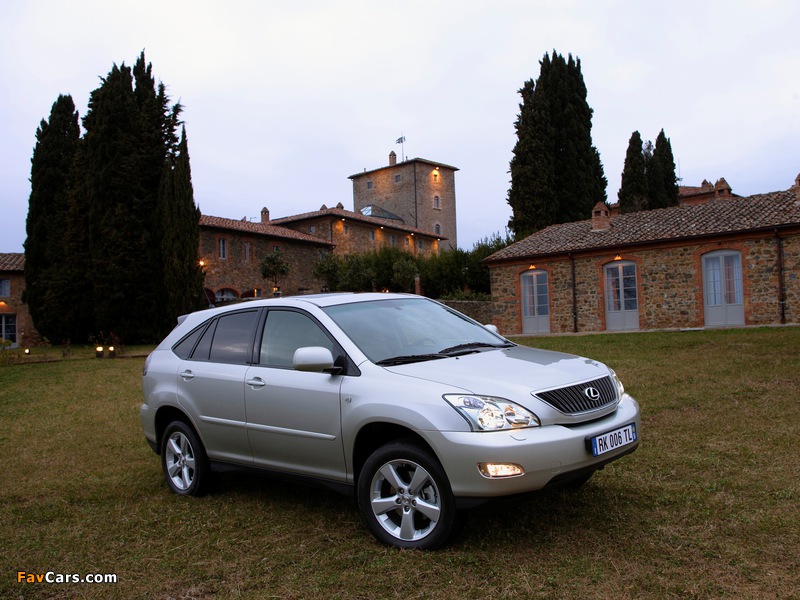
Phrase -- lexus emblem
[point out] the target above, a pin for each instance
(592, 393)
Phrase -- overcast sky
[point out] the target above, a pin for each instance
(284, 100)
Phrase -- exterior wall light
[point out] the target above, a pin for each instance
(532, 267)
(617, 257)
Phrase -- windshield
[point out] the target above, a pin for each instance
(402, 330)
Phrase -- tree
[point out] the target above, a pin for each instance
(632, 193)
(48, 207)
(178, 225)
(648, 177)
(273, 267)
(662, 181)
(129, 252)
(556, 172)
(328, 270)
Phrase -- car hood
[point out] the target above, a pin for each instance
(512, 373)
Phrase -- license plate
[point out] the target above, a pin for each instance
(613, 439)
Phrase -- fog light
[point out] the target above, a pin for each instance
(493, 470)
(98, 352)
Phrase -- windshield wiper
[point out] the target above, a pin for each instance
(473, 346)
(411, 358)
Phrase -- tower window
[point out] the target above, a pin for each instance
(436, 202)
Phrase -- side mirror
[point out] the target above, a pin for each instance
(492, 328)
(313, 358)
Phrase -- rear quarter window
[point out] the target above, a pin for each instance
(227, 339)
(233, 338)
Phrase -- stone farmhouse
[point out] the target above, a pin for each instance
(408, 205)
(715, 260)
(419, 192)
(16, 326)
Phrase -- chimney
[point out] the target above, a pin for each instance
(601, 220)
(721, 188)
(797, 187)
(265, 215)
(392, 158)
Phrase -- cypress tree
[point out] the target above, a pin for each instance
(179, 234)
(633, 195)
(119, 228)
(648, 177)
(51, 165)
(556, 173)
(662, 181)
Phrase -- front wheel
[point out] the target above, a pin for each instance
(405, 497)
(184, 460)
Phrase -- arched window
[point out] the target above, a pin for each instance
(225, 295)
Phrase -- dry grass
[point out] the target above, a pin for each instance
(708, 507)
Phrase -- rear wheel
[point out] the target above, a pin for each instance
(405, 497)
(184, 460)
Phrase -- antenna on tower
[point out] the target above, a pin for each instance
(401, 140)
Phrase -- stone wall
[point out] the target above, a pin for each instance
(243, 276)
(408, 189)
(479, 311)
(27, 335)
(669, 285)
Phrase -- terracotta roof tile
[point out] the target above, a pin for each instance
(12, 261)
(342, 213)
(259, 228)
(729, 215)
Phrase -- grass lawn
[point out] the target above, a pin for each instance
(708, 507)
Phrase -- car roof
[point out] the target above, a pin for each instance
(319, 300)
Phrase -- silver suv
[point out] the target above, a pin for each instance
(414, 407)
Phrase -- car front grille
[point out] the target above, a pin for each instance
(582, 397)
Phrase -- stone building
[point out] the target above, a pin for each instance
(420, 192)
(16, 325)
(720, 261)
(354, 233)
(231, 252)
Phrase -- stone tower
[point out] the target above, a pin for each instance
(420, 192)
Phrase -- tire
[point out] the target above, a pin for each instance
(396, 513)
(184, 460)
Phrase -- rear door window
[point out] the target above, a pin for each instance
(233, 338)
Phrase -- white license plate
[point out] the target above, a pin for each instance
(614, 439)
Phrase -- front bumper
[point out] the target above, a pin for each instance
(545, 453)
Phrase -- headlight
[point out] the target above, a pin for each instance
(485, 413)
(620, 387)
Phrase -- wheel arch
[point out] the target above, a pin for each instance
(374, 435)
(166, 415)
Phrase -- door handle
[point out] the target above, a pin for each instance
(256, 382)
(187, 375)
